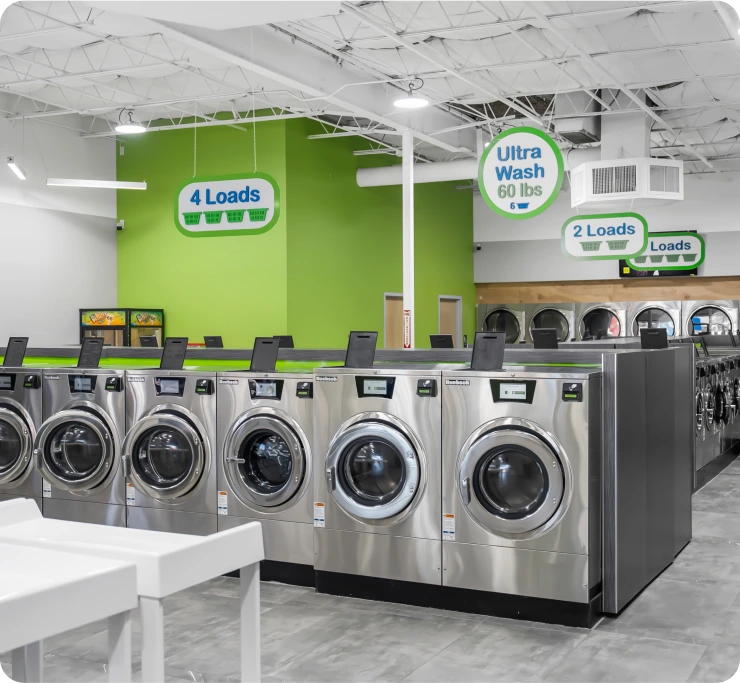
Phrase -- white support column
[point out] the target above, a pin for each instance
(152, 639)
(408, 237)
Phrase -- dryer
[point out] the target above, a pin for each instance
(601, 320)
(651, 314)
(561, 317)
(377, 440)
(709, 317)
(20, 416)
(168, 452)
(521, 493)
(264, 465)
(508, 318)
(704, 413)
(715, 410)
(77, 449)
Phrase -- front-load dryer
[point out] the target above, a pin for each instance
(168, 453)
(601, 320)
(510, 319)
(264, 465)
(710, 317)
(560, 317)
(521, 493)
(20, 417)
(377, 440)
(78, 447)
(654, 314)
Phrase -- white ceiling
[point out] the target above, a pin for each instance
(486, 65)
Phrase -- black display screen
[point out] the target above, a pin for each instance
(7, 382)
(169, 386)
(82, 384)
(375, 387)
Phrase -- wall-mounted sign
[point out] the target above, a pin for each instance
(604, 236)
(520, 173)
(670, 251)
(108, 318)
(227, 205)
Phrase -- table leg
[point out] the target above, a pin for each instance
(152, 640)
(18, 664)
(119, 648)
(28, 663)
(250, 622)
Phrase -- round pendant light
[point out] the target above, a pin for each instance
(412, 100)
(127, 123)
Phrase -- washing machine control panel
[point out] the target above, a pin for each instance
(573, 391)
(304, 390)
(204, 387)
(114, 383)
(32, 382)
(271, 389)
(426, 388)
(7, 382)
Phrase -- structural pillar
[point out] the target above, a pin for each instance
(408, 238)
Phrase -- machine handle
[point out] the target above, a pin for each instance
(126, 461)
(240, 461)
(466, 490)
(37, 461)
(331, 479)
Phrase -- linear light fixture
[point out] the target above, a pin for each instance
(109, 184)
(16, 169)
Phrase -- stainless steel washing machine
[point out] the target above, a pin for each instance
(560, 317)
(704, 414)
(651, 314)
(78, 447)
(734, 382)
(264, 465)
(709, 317)
(168, 453)
(715, 411)
(599, 321)
(724, 404)
(377, 440)
(20, 417)
(521, 494)
(508, 318)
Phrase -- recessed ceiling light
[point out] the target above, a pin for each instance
(127, 124)
(412, 100)
(16, 169)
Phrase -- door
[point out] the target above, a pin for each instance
(393, 321)
(710, 320)
(699, 402)
(16, 444)
(599, 323)
(164, 455)
(550, 318)
(264, 461)
(653, 317)
(503, 320)
(373, 470)
(450, 317)
(512, 480)
(75, 450)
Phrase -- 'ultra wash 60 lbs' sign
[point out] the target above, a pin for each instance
(227, 205)
(520, 173)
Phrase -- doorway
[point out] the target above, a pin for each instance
(450, 318)
(393, 321)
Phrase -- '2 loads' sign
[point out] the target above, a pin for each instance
(604, 236)
(520, 173)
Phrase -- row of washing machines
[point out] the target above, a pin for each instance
(584, 321)
(397, 478)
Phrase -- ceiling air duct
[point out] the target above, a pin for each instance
(579, 130)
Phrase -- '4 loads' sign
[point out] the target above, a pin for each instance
(520, 173)
(606, 236)
(227, 205)
(670, 251)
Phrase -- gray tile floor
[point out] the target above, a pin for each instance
(684, 627)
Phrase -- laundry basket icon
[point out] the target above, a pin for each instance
(672, 258)
(640, 259)
(656, 259)
(591, 246)
(522, 205)
(617, 245)
(257, 214)
(192, 218)
(689, 257)
(213, 217)
(235, 215)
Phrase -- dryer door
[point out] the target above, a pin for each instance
(512, 481)
(264, 461)
(16, 445)
(503, 320)
(75, 450)
(165, 455)
(599, 323)
(699, 412)
(553, 319)
(373, 470)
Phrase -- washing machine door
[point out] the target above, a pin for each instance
(165, 455)
(512, 480)
(599, 323)
(651, 318)
(75, 450)
(16, 445)
(721, 407)
(711, 411)
(552, 319)
(264, 461)
(373, 470)
(699, 402)
(503, 320)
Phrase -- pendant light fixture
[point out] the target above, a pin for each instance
(127, 123)
(16, 168)
(412, 100)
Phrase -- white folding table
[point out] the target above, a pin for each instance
(45, 592)
(165, 564)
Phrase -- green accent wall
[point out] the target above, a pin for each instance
(319, 273)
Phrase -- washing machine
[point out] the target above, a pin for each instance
(168, 452)
(709, 317)
(724, 410)
(734, 382)
(508, 318)
(651, 314)
(521, 493)
(77, 448)
(20, 417)
(704, 413)
(560, 317)
(599, 321)
(715, 411)
(264, 465)
(377, 441)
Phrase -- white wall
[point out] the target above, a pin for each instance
(529, 250)
(57, 245)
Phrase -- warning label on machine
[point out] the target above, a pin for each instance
(319, 519)
(448, 527)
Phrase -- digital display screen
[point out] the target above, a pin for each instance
(169, 386)
(375, 387)
(265, 390)
(6, 382)
(82, 384)
(512, 392)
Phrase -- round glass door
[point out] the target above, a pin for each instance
(373, 470)
(15, 446)
(512, 481)
(651, 318)
(699, 412)
(549, 318)
(600, 323)
(505, 321)
(710, 320)
(265, 462)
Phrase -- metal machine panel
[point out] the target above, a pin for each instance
(684, 453)
(89, 513)
(174, 521)
(284, 541)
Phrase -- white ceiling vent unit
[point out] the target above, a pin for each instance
(649, 182)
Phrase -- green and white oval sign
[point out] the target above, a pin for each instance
(245, 204)
(520, 173)
(608, 236)
(670, 251)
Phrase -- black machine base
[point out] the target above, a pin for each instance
(712, 469)
(461, 599)
(285, 572)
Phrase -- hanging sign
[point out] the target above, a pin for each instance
(520, 173)
(670, 251)
(244, 204)
(604, 236)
